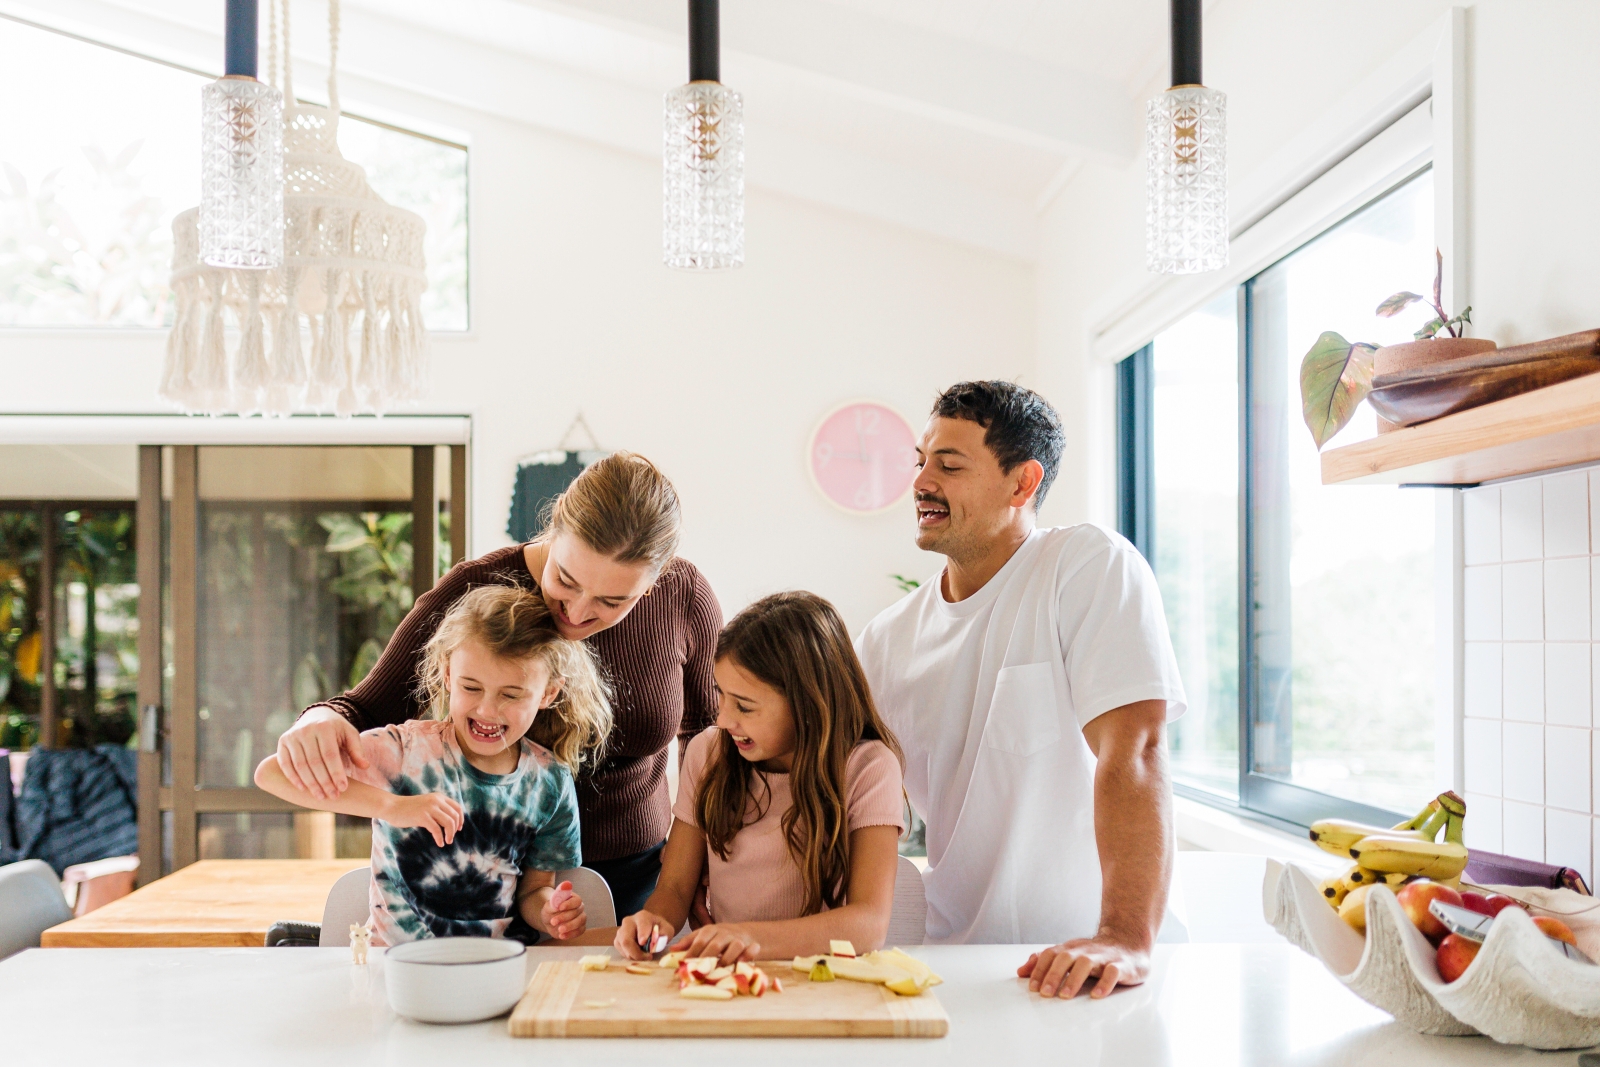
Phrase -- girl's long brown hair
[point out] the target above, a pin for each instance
(797, 644)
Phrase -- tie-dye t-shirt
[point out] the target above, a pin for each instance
(525, 820)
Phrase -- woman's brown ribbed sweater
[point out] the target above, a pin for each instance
(658, 660)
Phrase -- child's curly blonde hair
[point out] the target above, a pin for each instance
(515, 624)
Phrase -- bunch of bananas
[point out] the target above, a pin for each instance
(1392, 855)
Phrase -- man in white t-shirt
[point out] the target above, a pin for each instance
(1030, 683)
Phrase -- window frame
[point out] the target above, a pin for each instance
(1259, 795)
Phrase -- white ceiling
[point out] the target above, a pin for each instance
(960, 118)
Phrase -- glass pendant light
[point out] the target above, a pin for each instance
(241, 157)
(1186, 212)
(703, 158)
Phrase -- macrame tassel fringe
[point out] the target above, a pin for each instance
(286, 375)
(328, 353)
(250, 362)
(374, 357)
(182, 343)
(210, 377)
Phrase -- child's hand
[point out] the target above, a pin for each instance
(638, 931)
(433, 812)
(563, 913)
(727, 942)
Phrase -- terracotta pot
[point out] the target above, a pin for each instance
(1392, 359)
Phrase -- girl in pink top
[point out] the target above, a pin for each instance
(790, 806)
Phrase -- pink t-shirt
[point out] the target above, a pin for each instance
(760, 881)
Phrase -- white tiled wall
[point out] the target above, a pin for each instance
(1532, 624)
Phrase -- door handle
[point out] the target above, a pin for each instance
(150, 728)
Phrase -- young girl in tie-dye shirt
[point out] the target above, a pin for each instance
(473, 811)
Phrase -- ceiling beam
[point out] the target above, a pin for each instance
(988, 90)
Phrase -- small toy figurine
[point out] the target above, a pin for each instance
(360, 940)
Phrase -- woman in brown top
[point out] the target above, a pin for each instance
(605, 566)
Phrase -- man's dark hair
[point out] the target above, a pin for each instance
(1020, 424)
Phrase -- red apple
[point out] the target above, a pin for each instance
(1499, 902)
(1476, 902)
(1555, 928)
(1456, 953)
(1415, 897)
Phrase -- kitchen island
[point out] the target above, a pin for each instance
(1268, 1005)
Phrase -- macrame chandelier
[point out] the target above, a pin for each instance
(703, 158)
(1186, 213)
(338, 326)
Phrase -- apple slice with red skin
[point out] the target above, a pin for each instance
(1550, 926)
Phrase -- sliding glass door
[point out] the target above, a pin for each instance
(287, 569)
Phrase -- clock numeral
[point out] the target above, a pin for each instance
(867, 420)
(866, 498)
(824, 453)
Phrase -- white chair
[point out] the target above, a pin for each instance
(88, 886)
(595, 894)
(30, 903)
(347, 905)
(908, 920)
(1221, 896)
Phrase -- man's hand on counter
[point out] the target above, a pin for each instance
(313, 752)
(1065, 969)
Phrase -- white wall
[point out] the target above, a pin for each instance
(1529, 737)
(718, 378)
(1282, 66)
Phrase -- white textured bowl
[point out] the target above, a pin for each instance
(454, 979)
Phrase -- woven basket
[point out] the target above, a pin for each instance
(1519, 990)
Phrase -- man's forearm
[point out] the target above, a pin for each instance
(1133, 834)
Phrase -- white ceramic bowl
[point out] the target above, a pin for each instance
(454, 979)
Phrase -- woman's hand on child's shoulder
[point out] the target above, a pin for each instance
(638, 930)
(728, 942)
(433, 812)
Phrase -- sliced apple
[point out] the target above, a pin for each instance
(719, 973)
(803, 964)
(672, 959)
(842, 948)
(705, 992)
(640, 968)
(595, 963)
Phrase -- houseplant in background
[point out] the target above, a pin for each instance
(1336, 374)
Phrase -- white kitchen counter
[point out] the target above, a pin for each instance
(1268, 1005)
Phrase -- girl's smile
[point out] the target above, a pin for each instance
(493, 702)
(755, 716)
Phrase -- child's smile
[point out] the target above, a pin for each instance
(493, 702)
(755, 716)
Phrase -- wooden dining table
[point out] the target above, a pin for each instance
(209, 904)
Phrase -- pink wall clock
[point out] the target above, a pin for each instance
(863, 456)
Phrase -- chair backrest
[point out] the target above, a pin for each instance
(908, 921)
(94, 885)
(30, 903)
(592, 889)
(347, 904)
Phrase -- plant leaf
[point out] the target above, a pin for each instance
(1396, 304)
(1335, 376)
(1429, 329)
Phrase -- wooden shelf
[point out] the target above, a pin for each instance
(1557, 426)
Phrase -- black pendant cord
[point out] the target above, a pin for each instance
(705, 53)
(241, 38)
(1186, 42)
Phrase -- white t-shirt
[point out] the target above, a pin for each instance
(989, 696)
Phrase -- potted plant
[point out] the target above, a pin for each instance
(1336, 375)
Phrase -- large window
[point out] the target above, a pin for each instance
(1332, 627)
(99, 150)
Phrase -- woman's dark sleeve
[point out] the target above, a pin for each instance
(703, 623)
(387, 695)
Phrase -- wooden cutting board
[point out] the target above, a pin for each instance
(564, 1000)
